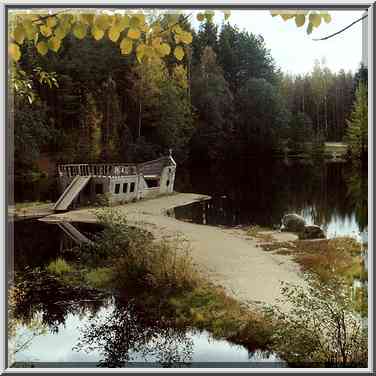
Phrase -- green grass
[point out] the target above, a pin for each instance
(59, 267)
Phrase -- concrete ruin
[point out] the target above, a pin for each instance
(114, 183)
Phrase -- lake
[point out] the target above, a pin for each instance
(332, 195)
(56, 324)
(77, 327)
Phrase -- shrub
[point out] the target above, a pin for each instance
(321, 328)
(59, 267)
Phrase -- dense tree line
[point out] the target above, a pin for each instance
(226, 100)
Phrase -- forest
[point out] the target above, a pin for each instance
(227, 99)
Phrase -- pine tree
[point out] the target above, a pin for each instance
(357, 125)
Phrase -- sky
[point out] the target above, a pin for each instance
(294, 51)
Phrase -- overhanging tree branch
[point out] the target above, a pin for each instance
(342, 30)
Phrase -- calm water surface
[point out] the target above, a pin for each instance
(56, 324)
(331, 195)
(79, 326)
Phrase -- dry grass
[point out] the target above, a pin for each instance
(256, 231)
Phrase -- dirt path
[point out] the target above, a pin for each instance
(229, 258)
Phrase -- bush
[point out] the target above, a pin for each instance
(321, 327)
(59, 267)
(138, 259)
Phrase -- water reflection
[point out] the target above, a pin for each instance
(56, 318)
(331, 195)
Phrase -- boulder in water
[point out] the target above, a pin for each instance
(293, 223)
(312, 232)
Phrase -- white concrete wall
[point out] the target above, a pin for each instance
(123, 182)
(167, 179)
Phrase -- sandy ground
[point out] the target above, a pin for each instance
(227, 256)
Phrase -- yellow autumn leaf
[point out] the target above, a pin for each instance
(19, 34)
(86, 18)
(126, 46)
(14, 51)
(79, 30)
(140, 51)
(179, 53)
(122, 22)
(134, 22)
(326, 17)
(300, 20)
(97, 33)
(134, 33)
(60, 33)
(200, 17)
(186, 37)
(51, 22)
(164, 49)
(315, 19)
(102, 21)
(113, 34)
(54, 44)
(42, 48)
(45, 31)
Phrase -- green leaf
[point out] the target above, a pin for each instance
(54, 44)
(97, 33)
(134, 33)
(19, 34)
(209, 14)
(126, 46)
(14, 51)
(300, 20)
(179, 53)
(42, 48)
(309, 28)
(113, 33)
(79, 30)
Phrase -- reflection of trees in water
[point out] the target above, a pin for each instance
(130, 332)
(39, 293)
(357, 192)
(263, 191)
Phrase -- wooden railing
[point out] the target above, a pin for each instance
(103, 169)
(153, 167)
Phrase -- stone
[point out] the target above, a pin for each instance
(312, 232)
(293, 223)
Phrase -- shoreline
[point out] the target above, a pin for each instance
(228, 257)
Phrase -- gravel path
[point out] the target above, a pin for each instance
(227, 256)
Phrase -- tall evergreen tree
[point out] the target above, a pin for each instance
(357, 125)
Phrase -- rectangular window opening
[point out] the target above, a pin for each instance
(125, 187)
(99, 189)
(132, 187)
(117, 188)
